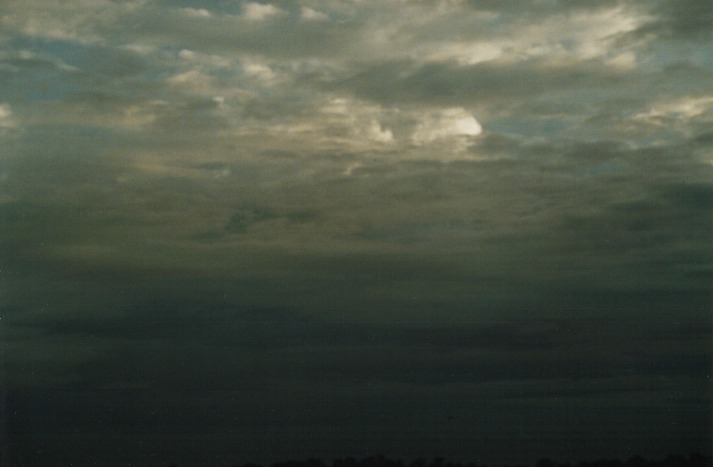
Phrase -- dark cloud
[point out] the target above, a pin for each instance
(266, 231)
(480, 85)
(689, 19)
(244, 218)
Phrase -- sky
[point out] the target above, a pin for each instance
(260, 231)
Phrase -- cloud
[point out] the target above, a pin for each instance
(309, 14)
(489, 86)
(197, 12)
(6, 118)
(325, 214)
(78, 21)
(558, 34)
(686, 108)
(689, 19)
(448, 123)
(258, 11)
(260, 71)
(194, 79)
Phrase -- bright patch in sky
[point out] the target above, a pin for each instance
(259, 11)
(6, 117)
(448, 123)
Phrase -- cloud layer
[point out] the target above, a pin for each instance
(408, 227)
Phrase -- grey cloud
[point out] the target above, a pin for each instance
(192, 243)
(86, 65)
(111, 64)
(688, 19)
(676, 219)
(705, 139)
(484, 84)
(101, 100)
(148, 330)
(196, 116)
(556, 5)
(280, 36)
(243, 219)
(27, 77)
(23, 62)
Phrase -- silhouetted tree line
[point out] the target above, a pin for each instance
(694, 460)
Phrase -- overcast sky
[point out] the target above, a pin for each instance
(240, 231)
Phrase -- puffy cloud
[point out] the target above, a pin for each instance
(260, 11)
(260, 71)
(686, 108)
(449, 123)
(194, 78)
(6, 117)
(376, 133)
(344, 122)
(309, 14)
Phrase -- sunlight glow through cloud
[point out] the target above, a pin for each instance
(453, 122)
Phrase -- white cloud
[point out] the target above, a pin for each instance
(257, 11)
(444, 124)
(623, 61)
(337, 106)
(186, 54)
(210, 62)
(580, 36)
(194, 80)
(6, 118)
(260, 71)
(346, 122)
(466, 53)
(378, 134)
(571, 36)
(137, 117)
(219, 100)
(197, 12)
(361, 121)
(141, 49)
(684, 108)
(308, 14)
